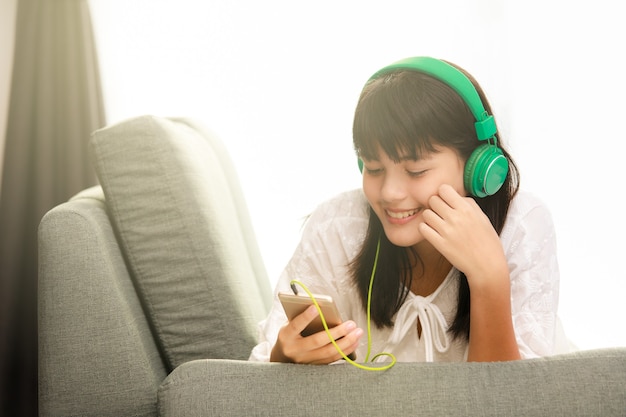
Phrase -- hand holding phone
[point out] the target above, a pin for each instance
(295, 305)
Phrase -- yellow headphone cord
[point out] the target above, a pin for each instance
(369, 331)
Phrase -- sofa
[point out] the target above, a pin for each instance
(151, 286)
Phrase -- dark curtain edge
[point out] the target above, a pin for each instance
(45, 163)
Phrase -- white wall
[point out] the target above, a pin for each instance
(8, 9)
(278, 80)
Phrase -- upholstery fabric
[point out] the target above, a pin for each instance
(586, 383)
(179, 227)
(241, 206)
(94, 340)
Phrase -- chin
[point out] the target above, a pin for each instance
(404, 241)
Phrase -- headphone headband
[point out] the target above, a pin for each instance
(486, 168)
(485, 124)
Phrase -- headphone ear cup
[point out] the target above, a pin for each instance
(485, 171)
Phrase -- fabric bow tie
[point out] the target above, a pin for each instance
(434, 325)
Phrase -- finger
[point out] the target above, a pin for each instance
(439, 206)
(433, 219)
(336, 332)
(448, 194)
(318, 348)
(346, 344)
(456, 200)
(302, 320)
(344, 335)
(431, 235)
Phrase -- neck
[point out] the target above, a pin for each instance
(430, 268)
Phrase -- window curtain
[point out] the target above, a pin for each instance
(55, 104)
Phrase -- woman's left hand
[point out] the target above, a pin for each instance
(460, 231)
(458, 228)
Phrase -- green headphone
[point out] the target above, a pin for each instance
(487, 167)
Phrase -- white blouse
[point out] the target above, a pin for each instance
(332, 238)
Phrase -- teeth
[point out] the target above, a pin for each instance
(401, 215)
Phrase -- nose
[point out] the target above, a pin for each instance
(393, 187)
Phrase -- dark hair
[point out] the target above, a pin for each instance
(408, 113)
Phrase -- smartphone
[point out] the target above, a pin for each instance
(296, 304)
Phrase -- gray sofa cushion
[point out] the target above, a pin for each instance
(241, 205)
(178, 223)
(95, 345)
(588, 383)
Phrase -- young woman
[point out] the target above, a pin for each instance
(462, 264)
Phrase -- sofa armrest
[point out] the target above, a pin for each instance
(97, 356)
(576, 384)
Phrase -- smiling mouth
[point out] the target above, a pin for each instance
(401, 214)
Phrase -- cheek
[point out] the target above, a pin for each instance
(422, 193)
(369, 189)
(455, 178)
(460, 187)
(372, 195)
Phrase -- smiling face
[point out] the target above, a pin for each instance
(398, 192)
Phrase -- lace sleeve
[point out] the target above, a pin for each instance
(532, 255)
(330, 239)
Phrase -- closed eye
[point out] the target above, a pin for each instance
(374, 171)
(415, 174)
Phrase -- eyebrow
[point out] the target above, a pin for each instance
(424, 157)
(402, 159)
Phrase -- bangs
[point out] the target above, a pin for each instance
(404, 117)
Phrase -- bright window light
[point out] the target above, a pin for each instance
(278, 81)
